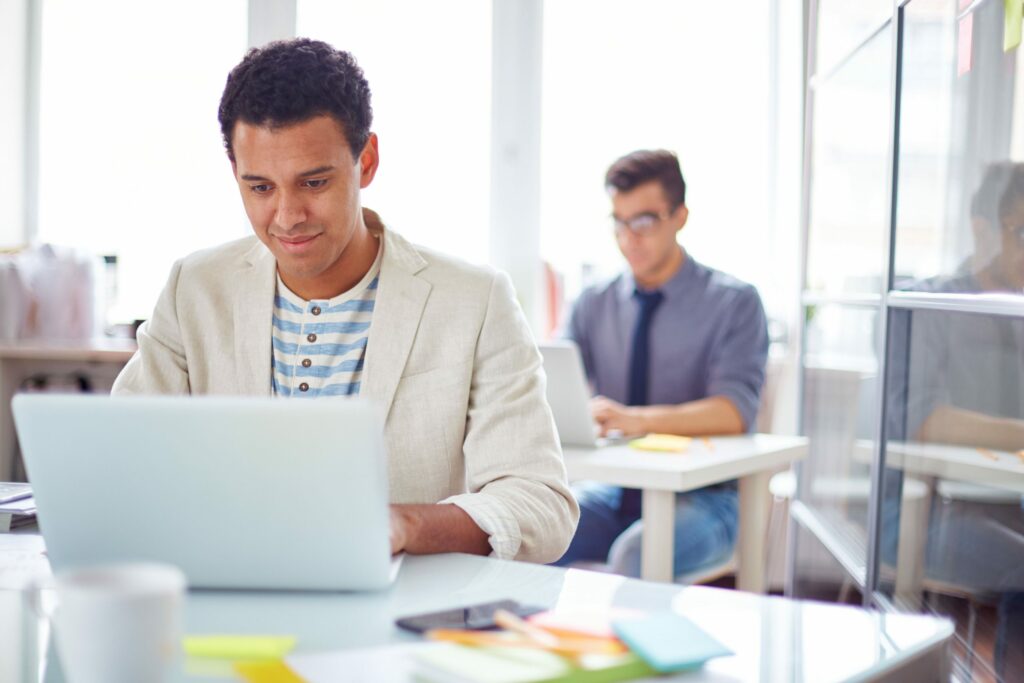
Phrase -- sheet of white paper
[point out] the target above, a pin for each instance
(393, 663)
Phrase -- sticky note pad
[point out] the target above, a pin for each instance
(668, 641)
(267, 672)
(239, 647)
(1013, 19)
(666, 443)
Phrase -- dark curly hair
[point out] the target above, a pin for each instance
(290, 81)
(645, 165)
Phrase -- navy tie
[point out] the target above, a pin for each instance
(639, 373)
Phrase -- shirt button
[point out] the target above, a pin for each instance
(316, 310)
(303, 387)
(306, 362)
(311, 337)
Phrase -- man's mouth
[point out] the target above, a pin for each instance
(296, 244)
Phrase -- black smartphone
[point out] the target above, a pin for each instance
(477, 617)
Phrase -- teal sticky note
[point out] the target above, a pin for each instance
(668, 641)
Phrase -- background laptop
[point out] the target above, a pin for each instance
(569, 394)
(237, 492)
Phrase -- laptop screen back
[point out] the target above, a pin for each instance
(237, 492)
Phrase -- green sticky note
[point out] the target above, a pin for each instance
(236, 647)
(1014, 17)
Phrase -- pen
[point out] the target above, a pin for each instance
(511, 622)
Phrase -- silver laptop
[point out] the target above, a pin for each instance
(237, 492)
(569, 394)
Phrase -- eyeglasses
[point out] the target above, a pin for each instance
(640, 224)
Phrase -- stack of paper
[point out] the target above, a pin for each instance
(461, 664)
(657, 643)
(17, 513)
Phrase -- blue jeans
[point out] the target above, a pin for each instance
(706, 521)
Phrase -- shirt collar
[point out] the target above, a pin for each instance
(676, 286)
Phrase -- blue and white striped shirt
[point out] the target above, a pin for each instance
(319, 345)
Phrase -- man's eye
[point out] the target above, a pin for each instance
(644, 220)
(316, 183)
(260, 189)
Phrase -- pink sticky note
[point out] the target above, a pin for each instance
(964, 4)
(965, 45)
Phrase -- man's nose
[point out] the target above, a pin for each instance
(290, 211)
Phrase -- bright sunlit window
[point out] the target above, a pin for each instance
(692, 77)
(12, 110)
(429, 68)
(131, 160)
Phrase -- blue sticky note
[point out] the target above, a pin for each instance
(668, 641)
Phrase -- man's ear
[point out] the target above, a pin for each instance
(682, 214)
(369, 160)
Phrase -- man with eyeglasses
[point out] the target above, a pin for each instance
(670, 346)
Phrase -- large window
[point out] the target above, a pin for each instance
(12, 122)
(685, 76)
(131, 161)
(429, 68)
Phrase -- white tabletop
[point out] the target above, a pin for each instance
(706, 461)
(774, 638)
(991, 467)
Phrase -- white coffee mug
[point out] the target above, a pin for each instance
(119, 623)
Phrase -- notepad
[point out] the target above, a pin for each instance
(666, 443)
(457, 663)
(669, 642)
(239, 647)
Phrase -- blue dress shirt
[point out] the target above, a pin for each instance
(709, 337)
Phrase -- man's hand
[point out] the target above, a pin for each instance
(611, 415)
(399, 530)
(712, 415)
(428, 529)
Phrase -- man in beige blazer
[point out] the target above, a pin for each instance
(448, 354)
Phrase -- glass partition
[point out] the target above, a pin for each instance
(840, 391)
(960, 204)
(952, 524)
(843, 25)
(848, 225)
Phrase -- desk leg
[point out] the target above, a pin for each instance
(753, 519)
(658, 545)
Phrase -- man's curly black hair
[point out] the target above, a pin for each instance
(290, 81)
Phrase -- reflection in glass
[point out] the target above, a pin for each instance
(959, 138)
(849, 218)
(956, 422)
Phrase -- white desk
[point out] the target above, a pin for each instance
(751, 459)
(20, 360)
(775, 639)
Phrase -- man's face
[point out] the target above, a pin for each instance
(650, 250)
(300, 187)
(1011, 258)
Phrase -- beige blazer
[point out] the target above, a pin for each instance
(449, 357)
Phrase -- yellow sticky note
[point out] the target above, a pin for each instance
(1014, 18)
(667, 443)
(239, 647)
(267, 672)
